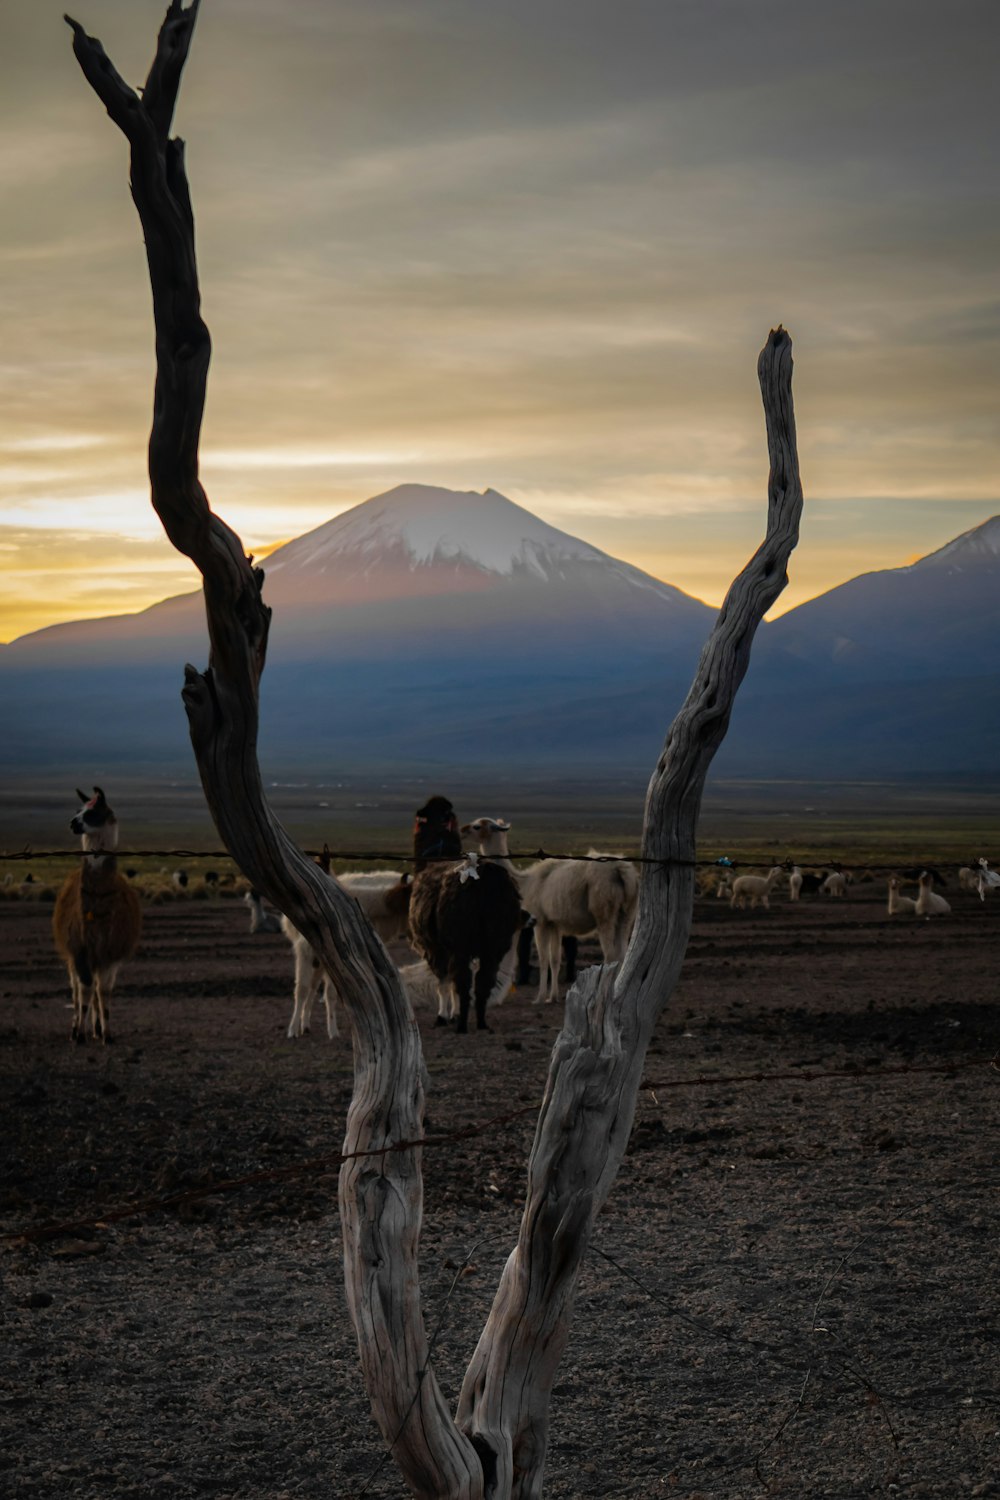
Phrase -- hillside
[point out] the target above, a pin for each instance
(428, 627)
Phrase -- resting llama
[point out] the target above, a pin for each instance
(928, 902)
(899, 904)
(97, 919)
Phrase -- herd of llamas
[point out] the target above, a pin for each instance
(470, 916)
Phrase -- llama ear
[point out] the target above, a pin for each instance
(99, 794)
(82, 795)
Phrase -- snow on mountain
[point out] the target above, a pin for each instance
(442, 628)
(981, 544)
(423, 526)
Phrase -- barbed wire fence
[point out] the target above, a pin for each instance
(27, 852)
(317, 1166)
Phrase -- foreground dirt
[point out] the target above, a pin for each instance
(791, 1292)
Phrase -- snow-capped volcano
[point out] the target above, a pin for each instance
(416, 527)
(428, 626)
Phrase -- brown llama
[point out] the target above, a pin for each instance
(96, 920)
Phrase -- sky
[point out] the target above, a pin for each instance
(528, 246)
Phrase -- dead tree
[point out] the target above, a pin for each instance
(494, 1447)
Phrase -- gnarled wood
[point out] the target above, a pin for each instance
(496, 1448)
(597, 1063)
(381, 1195)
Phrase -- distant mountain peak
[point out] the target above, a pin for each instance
(435, 525)
(980, 544)
(429, 532)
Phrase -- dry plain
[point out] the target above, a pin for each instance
(792, 1290)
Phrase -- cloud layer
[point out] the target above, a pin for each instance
(533, 247)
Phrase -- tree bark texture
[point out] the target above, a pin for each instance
(495, 1449)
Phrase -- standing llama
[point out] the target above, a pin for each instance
(598, 895)
(460, 912)
(96, 920)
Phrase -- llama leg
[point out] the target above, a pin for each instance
(100, 1010)
(486, 978)
(88, 1012)
(524, 954)
(330, 1002)
(77, 1033)
(541, 945)
(93, 1011)
(607, 936)
(447, 1003)
(462, 984)
(549, 954)
(504, 982)
(303, 964)
(313, 984)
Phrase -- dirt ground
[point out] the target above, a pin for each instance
(791, 1292)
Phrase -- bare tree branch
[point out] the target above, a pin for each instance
(496, 1449)
(381, 1196)
(599, 1057)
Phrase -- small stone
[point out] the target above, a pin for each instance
(39, 1299)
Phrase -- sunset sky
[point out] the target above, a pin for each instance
(533, 246)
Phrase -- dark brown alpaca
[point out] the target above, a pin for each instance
(435, 833)
(97, 919)
(467, 911)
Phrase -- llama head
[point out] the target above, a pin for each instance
(95, 822)
(491, 834)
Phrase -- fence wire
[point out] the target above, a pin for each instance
(26, 852)
(319, 1165)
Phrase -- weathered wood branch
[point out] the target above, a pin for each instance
(496, 1449)
(597, 1063)
(380, 1194)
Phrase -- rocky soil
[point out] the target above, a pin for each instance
(791, 1292)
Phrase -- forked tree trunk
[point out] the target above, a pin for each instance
(495, 1448)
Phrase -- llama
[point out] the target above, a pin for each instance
(897, 903)
(914, 872)
(794, 883)
(435, 833)
(384, 897)
(755, 888)
(987, 879)
(261, 920)
(460, 912)
(835, 883)
(929, 903)
(575, 898)
(97, 919)
(525, 942)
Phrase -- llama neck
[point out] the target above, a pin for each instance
(100, 868)
(495, 849)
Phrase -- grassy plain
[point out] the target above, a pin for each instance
(751, 821)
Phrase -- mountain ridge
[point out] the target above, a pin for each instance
(455, 627)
